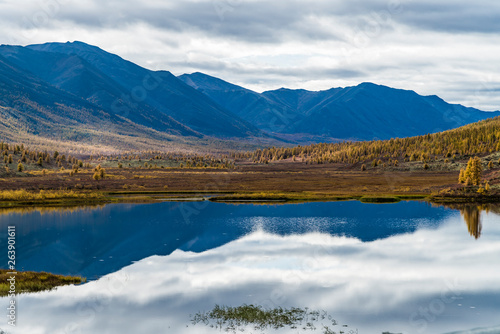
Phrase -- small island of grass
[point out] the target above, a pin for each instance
(29, 281)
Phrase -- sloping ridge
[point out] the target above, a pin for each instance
(77, 77)
(159, 92)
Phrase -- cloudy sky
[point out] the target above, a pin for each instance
(450, 48)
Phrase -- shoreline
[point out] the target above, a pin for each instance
(145, 197)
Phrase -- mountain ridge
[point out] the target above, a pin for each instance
(363, 112)
(76, 91)
(161, 90)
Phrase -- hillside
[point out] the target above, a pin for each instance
(481, 138)
(108, 78)
(363, 112)
(78, 97)
(76, 76)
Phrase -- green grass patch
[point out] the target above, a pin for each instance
(29, 281)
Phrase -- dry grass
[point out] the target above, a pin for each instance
(24, 195)
(333, 179)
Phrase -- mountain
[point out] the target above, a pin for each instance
(160, 92)
(379, 112)
(29, 104)
(155, 100)
(80, 93)
(43, 116)
(255, 108)
(364, 112)
(74, 75)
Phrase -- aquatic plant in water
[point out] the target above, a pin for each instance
(241, 318)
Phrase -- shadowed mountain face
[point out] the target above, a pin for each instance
(156, 100)
(73, 75)
(363, 112)
(32, 105)
(161, 91)
(263, 112)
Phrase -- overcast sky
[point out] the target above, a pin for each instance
(450, 48)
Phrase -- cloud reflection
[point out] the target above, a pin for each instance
(429, 281)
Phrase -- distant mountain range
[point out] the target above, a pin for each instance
(363, 112)
(77, 92)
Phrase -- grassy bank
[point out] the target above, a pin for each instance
(22, 197)
(28, 281)
(47, 195)
(310, 197)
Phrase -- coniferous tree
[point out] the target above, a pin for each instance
(473, 172)
(461, 177)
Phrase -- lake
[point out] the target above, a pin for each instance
(408, 267)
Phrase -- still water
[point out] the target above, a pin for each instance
(407, 267)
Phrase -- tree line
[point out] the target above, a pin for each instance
(474, 139)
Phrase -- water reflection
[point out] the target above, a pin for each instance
(432, 280)
(93, 242)
(375, 267)
(472, 215)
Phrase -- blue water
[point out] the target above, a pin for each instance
(407, 267)
(95, 242)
